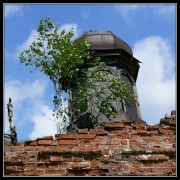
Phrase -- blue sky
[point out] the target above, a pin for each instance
(149, 29)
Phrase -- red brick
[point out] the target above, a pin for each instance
(33, 159)
(116, 141)
(75, 172)
(139, 126)
(14, 173)
(56, 158)
(83, 131)
(77, 159)
(55, 172)
(29, 148)
(52, 165)
(118, 157)
(162, 157)
(74, 165)
(95, 165)
(30, 143)
(6, 159)
(32, 172)
(161, 170)
(63, 165)
(85, 136)
(84, 165)
(136, 164)
(72, 142)
(64, 136)
(46, 137)
(142, 132)
(14, 159)
(92, 131)
(31, 166)
(33, 143)
(155, 132)
(93, 172)
(44, 158)
(23, 158)
(166, 130)
(127, 121)
(115, 125)
(10, 168)
(104, 140)
(67, 158)
(32, 153)
(140, 171)
(41, 166)
(48, 142)
(124, 136)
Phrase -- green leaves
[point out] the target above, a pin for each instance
(64, 60)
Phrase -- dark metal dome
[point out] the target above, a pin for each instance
(105, 41)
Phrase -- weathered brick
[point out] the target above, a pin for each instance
(31, 172)
(46, 137)
(104, 140)
(74, 165)
(48, 142)
(52, 165)
(115, 125)
(6, 159)
(124, 136)
(84, 165)
(67, 158)
(77, 158)
(24, 158)
(161, 170)
(10, 168)
(31, 166)
(56, 158)
(93, 172)
(41, 166)
(118, 157)
(142, 132)
(29, 148)
(14, 159)
(85, 136)
(75, 172)
(72, 142)
(162, 157)
(65, 136)
(54, 172)
(140, 171)
(127, 121)
(140, 126)
(30, 143)
(83, 131)
(95, 165)
(166, 130)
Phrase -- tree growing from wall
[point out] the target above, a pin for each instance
(63, 59)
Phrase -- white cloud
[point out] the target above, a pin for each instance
(128, 11)
(67, 27)
(43, 123)
(156, 78)
(11, 10)
(24, 95)
(34, 34)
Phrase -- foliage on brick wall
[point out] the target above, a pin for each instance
(119, 149)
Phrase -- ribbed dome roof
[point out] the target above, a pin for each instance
(105, 41)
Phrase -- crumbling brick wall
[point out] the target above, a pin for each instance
(119, 149)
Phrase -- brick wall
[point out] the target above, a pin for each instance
(119, 149)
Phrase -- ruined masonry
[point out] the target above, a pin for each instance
(123, 148)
